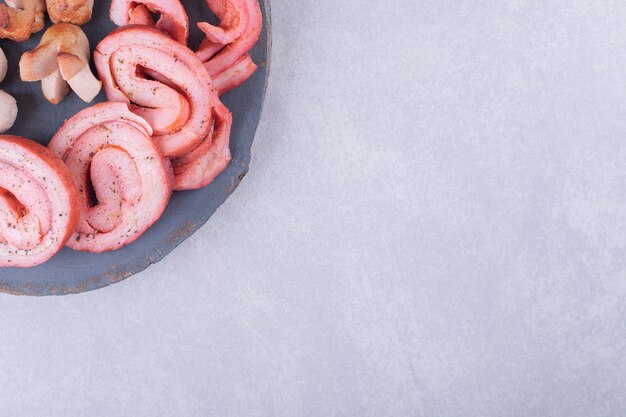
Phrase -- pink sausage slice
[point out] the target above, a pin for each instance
(172, 20)
(233, 21)
(240, 34)
(199, 167)
(225, 48)
(38, 203)
(235, 75)
(176, 100)
(123, 181)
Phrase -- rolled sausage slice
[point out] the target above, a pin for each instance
(172, 19)
(225, 48)
(163, 81)
(123, 181)
(235, 75)
(233, 22)
(199, 167)
(38, 203)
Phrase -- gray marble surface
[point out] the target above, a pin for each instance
(434, 224)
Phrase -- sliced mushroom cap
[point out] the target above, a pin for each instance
(78, 75)
(3, 65)
(54, 87)
(77, 12)
(20, 18)
(63, 52)
(8, 111)
(40, 10)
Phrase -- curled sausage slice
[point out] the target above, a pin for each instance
(234, 76)
(164, 82)
(172, 19)
(225, 48)
(123, 182)
(38, 203)
(233, 21)
(199, 167)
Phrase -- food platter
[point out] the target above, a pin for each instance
(70, 271)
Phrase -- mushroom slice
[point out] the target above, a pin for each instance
(64, 49)
(40, 62)
(4, 65)
(54, 87)
(8, 111)
(78, 75)
(40, 10)
(77, 12)
(20, 18)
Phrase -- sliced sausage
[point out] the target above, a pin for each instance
(225, 47)
(164, 82)
(234, 76)
(172, 19)
(199, 167)
(38, 203)
(123, 181)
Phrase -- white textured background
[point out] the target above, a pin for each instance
(434, 224)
